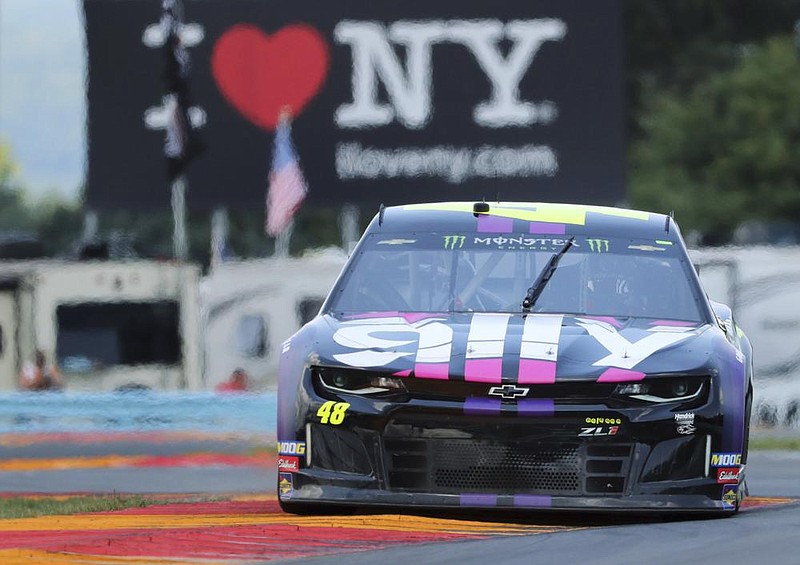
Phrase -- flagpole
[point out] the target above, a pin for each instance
(180, 241)
(282, 241)
(348, 226)
(219, 236)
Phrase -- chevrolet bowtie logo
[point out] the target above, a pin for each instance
(508, 391)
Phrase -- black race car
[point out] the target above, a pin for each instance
(519, 355)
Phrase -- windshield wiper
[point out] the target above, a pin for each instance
(541, 281)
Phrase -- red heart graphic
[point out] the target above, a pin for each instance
(261, 74)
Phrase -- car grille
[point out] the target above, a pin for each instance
(459, 465)
(578, 392)
(464, 465)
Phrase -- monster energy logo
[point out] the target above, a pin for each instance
(454, 241)
(598, 245)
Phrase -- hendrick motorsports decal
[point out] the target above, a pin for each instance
(684, 423)
(425, 344)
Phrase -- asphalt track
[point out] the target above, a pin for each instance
(248, 526)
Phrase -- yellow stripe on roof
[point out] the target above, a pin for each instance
(574, 214)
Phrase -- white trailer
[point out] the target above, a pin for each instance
(250, 308)
(762, 285)
(107, 324)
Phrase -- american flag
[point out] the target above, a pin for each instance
(287, 187)
(180, 143)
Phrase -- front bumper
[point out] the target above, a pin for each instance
(526, 454)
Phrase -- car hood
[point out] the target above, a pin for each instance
(530, 348)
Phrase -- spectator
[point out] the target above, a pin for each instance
(40, 375)
(237, 382)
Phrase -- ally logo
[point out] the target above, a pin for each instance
(626, 354)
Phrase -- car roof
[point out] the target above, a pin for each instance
(525, 217)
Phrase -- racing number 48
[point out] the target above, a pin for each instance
(332, 412)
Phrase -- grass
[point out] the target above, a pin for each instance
(782, 443)
(48, 505)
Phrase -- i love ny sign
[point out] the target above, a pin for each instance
(390, 102)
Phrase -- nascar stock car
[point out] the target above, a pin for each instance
(519, 355)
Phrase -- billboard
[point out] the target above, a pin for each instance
(392, 102)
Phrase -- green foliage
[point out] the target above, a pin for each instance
(15, 214)
(26, 507)
(728, 150)
(31, 506)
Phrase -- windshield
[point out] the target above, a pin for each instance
(492, 273)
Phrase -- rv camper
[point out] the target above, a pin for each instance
(109, 325)
(250, 308)
(762, 284)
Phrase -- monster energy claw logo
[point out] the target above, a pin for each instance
(453, 241)
(598, 245)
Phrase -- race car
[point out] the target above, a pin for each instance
(526, 356)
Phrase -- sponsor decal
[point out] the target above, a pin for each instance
(485, 347)
(291, 448)
(684, 423)
(396, 241)
(602, 420)
(624, 354)
(728, 475)
(380, 341)
(729, 496)
(289, 463)
(509, 391)
(454, 241)
(521, 242)
(726, 459)
(286, 346)
(332, 412)
(285, 485)
(597, 431)
(539, 349)
(646, 248)
(427, 345)
(597, 245)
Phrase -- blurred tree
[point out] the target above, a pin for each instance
(677, 43)
(728, 149)
(15, 215)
